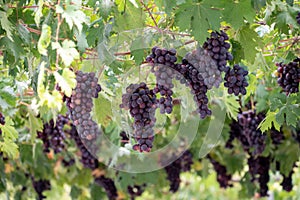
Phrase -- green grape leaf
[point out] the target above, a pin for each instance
(285, 18)
(8, 131)
(66, 81)
(10, 148)
(67, 51)
(130, 18)
(249, 40)
(6, 24)
(232, 12)
(44, 40)
(73, 15)
(39, 13)
(232, 106)
(34, 124)
(58, 191)
(287, 162)
(269, 122)
(103, 110)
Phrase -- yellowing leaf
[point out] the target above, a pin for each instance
(8, 131)
(6, 24)
(10, 148)
(44, 40)
(268, 122)
(67, 51)
(66, 81)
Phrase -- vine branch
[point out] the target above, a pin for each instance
(59, 22)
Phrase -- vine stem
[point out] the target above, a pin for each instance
(59, 22)
(149, 12)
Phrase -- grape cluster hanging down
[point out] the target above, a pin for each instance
(135, 191)
(173, 170)
(289, 76)
(298, 18)
(53, 136)
(2, 121)
(259, 167)
(195, 81)
(87, 159)
(235, 80)
(206, 67)
(81, 104)
(250, 136)
(141, 103)
(287, 182)
(223, 177)
(40, 186)
(163, 60)
(217, 48)
(108, 185)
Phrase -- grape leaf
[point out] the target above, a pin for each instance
(103, 111)
(249, 40)
(9, 132)
(232, 12)
(6, 24)
(10, 148)
(44, 40)
(66, 81)
(35, 124)
(67, 51)
(39, 13)
(269, 122)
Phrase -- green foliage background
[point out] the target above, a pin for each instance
(42, 42)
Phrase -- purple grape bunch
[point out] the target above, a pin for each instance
(141, 103)
(235, 80)
(289, 76)
(217, 48)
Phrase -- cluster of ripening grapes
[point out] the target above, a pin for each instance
(2, 120)
(289, 76)
(199, 70)
(246, 131)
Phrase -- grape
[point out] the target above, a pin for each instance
(206, 67)
(108, 185)
(298, 18)
(217, 48)
(163, 61)
(235, 130)
(260, 166)
(287, 182)
(235, 80)
(190, 76)
(87, 159)
(173, 170)
(223, 177)
(141, 103)
(69, 162)
(81, 103)
(135, 191)
(40, 186)
(124, 138)
(276, 136)
(53, 136)
(2, 121)
(289, 76)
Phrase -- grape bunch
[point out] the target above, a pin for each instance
(298, 18)
(2, 121)
(40, 186)
(194, 80)
(206, 67)
(108, 185)
(287, 182)
(289, 76)
(259, 167)
(163, 60)
(135, 191)
(235, 130)
(217, 48)
(223, 177)
(81, 104)
(235, 80)
(164, 86)
(173, 170)
(53, 135)
(250, 136)
(141, 103)
(87, 159)
(162, 56)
